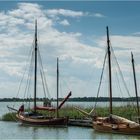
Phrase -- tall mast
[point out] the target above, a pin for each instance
(35, 72)
(135, 83)
(57, 85)
(109, 67)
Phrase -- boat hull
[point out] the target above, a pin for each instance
(115, 128)
(42, 121)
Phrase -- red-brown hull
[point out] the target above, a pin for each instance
(42, 122)
(113, 128)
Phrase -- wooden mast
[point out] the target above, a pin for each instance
(109, 66)
(135, 83)
(35, 72)
(57, 114)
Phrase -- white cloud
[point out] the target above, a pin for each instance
(95, 15)
(98, 15)
(26, 10)
(13, 68)
(136, 34)
(64, 12)
(64, 22)
(70, 13)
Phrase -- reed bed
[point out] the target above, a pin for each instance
(128, 112)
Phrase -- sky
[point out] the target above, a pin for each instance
(76, 33)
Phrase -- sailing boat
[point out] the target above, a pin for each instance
(114, 123)
(33, 117)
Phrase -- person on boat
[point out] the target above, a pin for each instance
(21, 109)
(47, 103)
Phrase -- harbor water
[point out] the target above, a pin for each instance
(14, 130)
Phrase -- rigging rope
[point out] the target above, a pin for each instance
(116, 76)
(101, 77)
(120, 71)
(43, 75)
(29, 55)
(29, 76)
(43, 83)
(122, 76)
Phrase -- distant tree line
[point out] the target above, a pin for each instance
(75, 99)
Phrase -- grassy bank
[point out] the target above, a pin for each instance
(9, 117)
(125, 111)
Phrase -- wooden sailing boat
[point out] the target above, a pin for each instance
(35, 118)
(114, 123)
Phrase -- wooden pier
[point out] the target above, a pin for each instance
(80, 122)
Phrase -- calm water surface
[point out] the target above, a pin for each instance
(12, 130)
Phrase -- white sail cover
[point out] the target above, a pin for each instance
(119, 119)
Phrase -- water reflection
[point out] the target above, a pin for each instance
(98, 135)
(34, 133)
(38, 132)
(16, 131)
